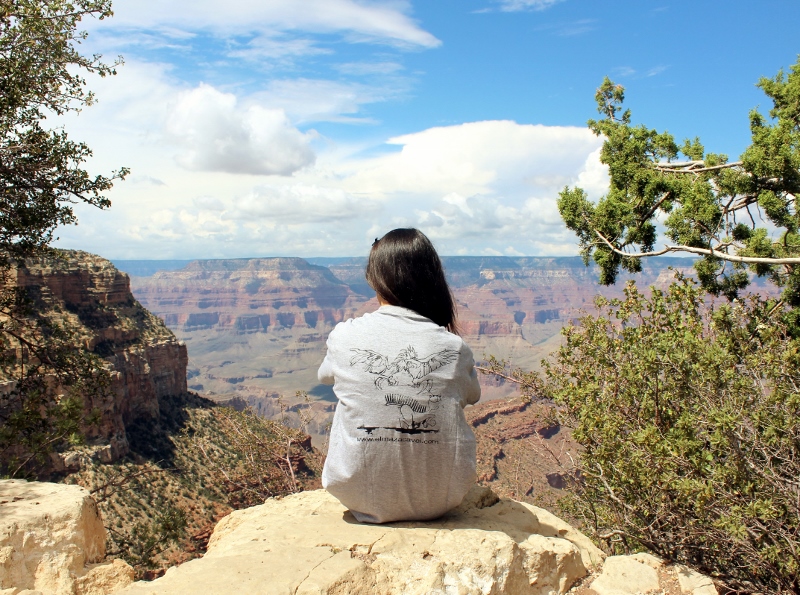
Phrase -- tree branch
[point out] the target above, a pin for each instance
(688, 167)
(701, 251)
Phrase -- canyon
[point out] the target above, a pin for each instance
(145, 360)
(154, 432)
(256, 328)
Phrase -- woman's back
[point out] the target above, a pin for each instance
(400, 448)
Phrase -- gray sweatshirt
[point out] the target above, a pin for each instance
(400, 448)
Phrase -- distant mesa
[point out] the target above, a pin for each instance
(257, 314)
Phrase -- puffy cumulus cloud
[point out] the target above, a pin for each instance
(485, 187)
(594, 178)
(485, 225)
(301, 203)
(497, 157)
(385, 21)
(218, 134)
(476, 188)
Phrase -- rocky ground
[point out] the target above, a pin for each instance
(308, 543)
(187, 466)
(52, 541)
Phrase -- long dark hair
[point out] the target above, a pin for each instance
(404, 270)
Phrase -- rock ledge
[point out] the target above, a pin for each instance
(309, 543)
(51, 537)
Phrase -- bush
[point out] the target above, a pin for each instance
(271, 459)
(689, 418)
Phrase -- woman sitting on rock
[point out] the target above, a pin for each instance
(400, 447)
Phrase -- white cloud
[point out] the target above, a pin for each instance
(209, 203)
(576, 28)
(301, 203)
(594, 177)
(495, 157)
(369, 68)
(269, 50)
(489, 224)
(519, 5)
(313, 100)
(481, 184)
(478, 188)
(627, 71)
(656, 70)
(375, 21)
(624, 71)
(216, 133)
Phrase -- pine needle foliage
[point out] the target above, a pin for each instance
(741, 217)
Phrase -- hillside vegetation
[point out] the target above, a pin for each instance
(199, 462)
(689, 414)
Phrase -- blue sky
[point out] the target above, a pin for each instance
(308, 127)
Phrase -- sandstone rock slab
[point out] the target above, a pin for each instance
(694, 583)
(48, 534)
(309, 543)
(626, 575)
(103, 579)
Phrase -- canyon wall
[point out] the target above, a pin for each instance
(146, 361)
(521, 301)
(256, 328)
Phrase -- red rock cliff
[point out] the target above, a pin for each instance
(147, 361)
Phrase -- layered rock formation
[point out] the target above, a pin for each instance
(256, 328)
(147, 362)
(248, 295)
(250, 323)
(52, 541)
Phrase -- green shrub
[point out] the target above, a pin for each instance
(689, 418)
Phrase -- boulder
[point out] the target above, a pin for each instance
(626, 575)
(50, 536)
(642, 573)
(309, 543)
(694, 583)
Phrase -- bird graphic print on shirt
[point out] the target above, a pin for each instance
(409, 370)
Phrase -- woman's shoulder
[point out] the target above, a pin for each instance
(351, 326)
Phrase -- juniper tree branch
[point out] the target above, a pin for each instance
(686, 167)
(701, 251)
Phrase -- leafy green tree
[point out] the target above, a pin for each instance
(42, 374)
(740, 216)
